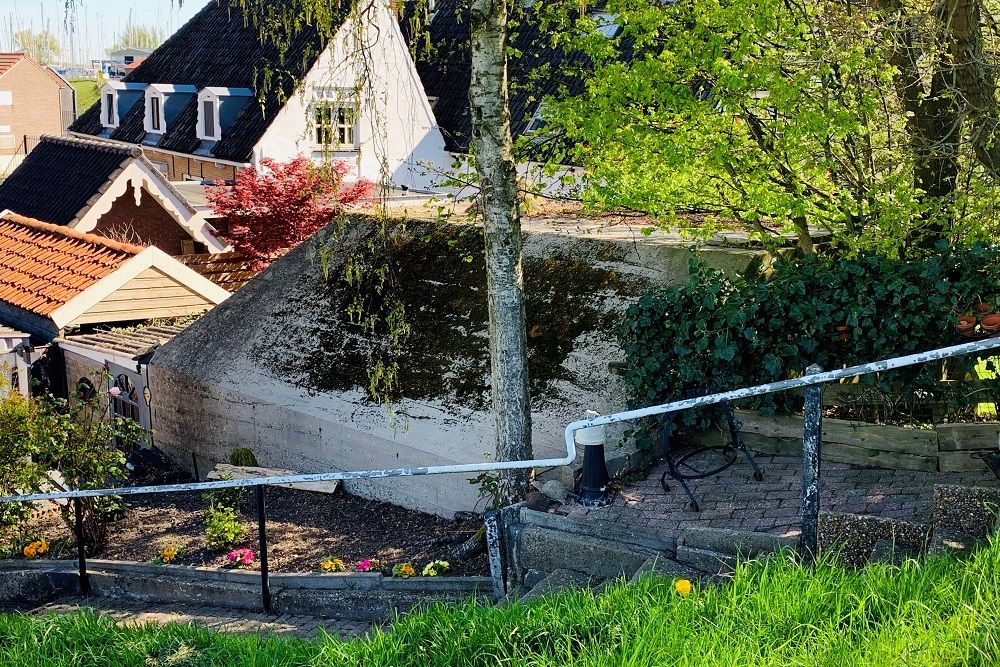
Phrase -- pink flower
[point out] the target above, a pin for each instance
(241, 557)
(115, 391)
(364, 566)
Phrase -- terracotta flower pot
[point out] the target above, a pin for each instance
(983, 307)
(991, 323)
(966, 326)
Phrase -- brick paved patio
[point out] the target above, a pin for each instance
(734, 500)
(130, 612)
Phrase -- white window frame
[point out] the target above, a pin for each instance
(151, 96)
(331, 102)
(537, 122)
(203, 97)
(607, 24)
(109, 119)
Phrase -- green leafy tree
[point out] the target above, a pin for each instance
(873, 122)
(139, 37)
(42, 46)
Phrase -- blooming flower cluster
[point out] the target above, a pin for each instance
(333, 565)
(683, 587)
(436, 568)
(36, 549)
(370, 565)
(403, 570)
(241, 557)
(168, 555)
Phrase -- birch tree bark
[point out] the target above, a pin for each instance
(493, 148)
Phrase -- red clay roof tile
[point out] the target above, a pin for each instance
(44, 266)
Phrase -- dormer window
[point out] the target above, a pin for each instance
(108, 111)
(218, 109)
(117, 100)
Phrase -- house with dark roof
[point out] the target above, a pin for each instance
(202, 107)
(107, 189)
(34, 100)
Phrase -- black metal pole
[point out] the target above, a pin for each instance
(81, 551)
(265, 586)
(812, 439)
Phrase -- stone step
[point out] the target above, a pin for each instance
(949, 541)
(558, 580)
(664, 567)
(745, 544)
(973, 510)
(548, 550)
(710, 562)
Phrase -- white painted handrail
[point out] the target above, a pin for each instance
(571, 429)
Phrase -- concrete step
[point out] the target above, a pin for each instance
(548, 550)
(949, 541)
(709, 562)
(559, 580)
(664, 567)
(745, 544)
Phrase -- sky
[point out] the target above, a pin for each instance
(98, 22)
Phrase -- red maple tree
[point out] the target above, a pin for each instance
(269, 211)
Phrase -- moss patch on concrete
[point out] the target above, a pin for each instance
(440, 276)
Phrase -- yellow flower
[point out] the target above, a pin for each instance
(169, 554)
(36, 549)
(683, 587)
(403, 570)
(333, 565)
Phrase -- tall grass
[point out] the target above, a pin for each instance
(938, 612)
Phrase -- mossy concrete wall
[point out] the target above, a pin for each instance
(279, 367)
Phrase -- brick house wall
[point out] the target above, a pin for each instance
(146, 224)
(185, 168)
(36, 109)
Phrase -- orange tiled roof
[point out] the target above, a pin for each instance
(8, 60)
(44, 266)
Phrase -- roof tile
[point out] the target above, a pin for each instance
(43, 266)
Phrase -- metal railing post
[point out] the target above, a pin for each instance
(81, 552)
(812, 439)
(265, 586)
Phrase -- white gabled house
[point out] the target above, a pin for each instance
(201, 111)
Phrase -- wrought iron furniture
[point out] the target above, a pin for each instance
(703, 461)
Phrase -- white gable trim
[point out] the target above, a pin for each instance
(150, 258)
(141, 174)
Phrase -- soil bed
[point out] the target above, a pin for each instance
(303, 529)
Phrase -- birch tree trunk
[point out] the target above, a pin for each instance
(494, 152)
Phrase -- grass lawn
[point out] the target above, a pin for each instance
(940, 612)
(87, 93)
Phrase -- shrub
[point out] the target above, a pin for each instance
(79, 439)
(715, 334)
(241, 456)
(222, 527)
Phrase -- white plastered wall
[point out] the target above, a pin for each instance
(399, 138)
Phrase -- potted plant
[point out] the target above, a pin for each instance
(966, 325)
(991, 323)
